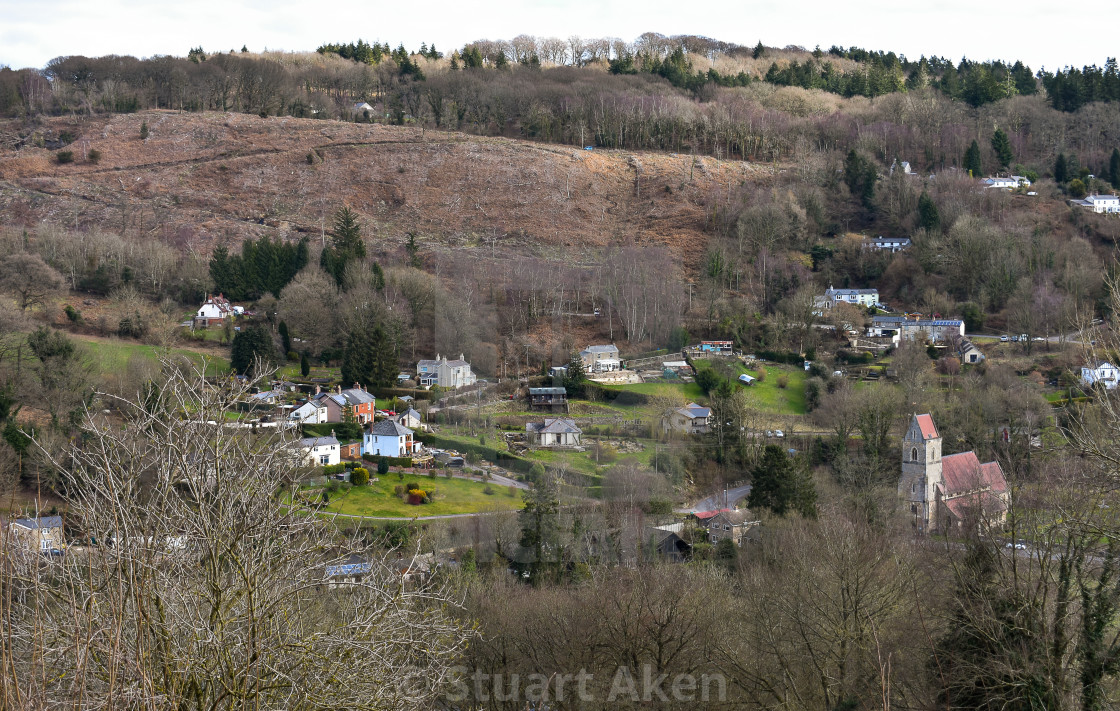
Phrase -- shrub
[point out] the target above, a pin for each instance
(73, 314)
(310, 158)
(488, 490)
(333, 469)
(64, 156)
(783, 381)
(411, 485)
(399, 490)
(293, 356)
(143, 130)
(93, 156)
(511, 491)
(359, 477)
(417, 496)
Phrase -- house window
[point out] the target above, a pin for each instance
(914, 454)
(324, 458)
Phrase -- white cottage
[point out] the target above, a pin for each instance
(389, 439)
(1103, 373)
(560, 432)
(320, 451)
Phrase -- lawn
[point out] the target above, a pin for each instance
(113, 356)
(767, 394)
(690, 391)
(453, 496)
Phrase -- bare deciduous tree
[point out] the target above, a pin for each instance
(29, 279)
(206, 589)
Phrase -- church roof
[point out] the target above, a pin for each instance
(925, 424)
(963, 472)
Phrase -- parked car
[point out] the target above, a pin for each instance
(769, 433)
(1003, 338)
(1018, 546)
(779, 433)
(1038, 338)
(1014, 339)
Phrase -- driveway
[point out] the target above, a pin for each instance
(716, 501)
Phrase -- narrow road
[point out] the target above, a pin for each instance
(716, 501)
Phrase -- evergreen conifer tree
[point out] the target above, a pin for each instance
(1002, 147)
(1114, 168)
(928, 215)
(1061, 169)
(972, 160)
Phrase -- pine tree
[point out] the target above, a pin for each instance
(378, 276)
(304, 366)
(1114, 168)
(1061, 169)
(1002, 147)
(248, 345)
(972, 160)
(501, 62)
(540, 526)
(574, 376)
(759, 50)
(929, 217)
(285, 338)
(348, 233)
(777, 484)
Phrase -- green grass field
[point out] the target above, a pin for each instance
(453, 496)
(111, 356)
(767, 395)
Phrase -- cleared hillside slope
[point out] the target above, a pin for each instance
(199, 180)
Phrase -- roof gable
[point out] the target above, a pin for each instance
(926, 426)
(388, 428)
(963, 472)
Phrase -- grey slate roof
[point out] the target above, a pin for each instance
(310, 442)
(551, 426)
(356, 396)
(600, 349)
(389, 428)
(41, 522)
(547, 391)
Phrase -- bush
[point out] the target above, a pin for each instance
(360, 476)
(293, 356)
(144, 131)
(93, 156)
(73, 314)
(783, 381)
(331, 469)
(488, 490)
(399, 490)
(64, 156)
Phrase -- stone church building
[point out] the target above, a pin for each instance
(951, 492)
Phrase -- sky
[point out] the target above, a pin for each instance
(1041, 33)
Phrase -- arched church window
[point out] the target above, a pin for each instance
(914, 454)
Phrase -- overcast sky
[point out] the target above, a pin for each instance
(32, 32)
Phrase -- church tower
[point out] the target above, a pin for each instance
(921, 471)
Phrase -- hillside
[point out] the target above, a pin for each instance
(208, 178)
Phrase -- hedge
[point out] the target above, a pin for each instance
(780, 357)
(405, 462)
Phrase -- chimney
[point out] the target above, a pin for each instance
(318, 390)
(338, 389)
(461, 357)
(357, 386)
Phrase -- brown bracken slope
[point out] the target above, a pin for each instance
(204, 179)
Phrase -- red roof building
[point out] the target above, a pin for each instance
(952, 492)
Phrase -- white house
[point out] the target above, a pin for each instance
(445, 373)
(856, 297)
(389, 439)
(214, 311)
(690, 419)
(1009, 183)
(1104, 373)
(888, 244)
(553, 433)
(1109, 204)
(600, 359)
(312, 412)
(320, 451)
(360, 107)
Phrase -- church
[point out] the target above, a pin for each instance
(951, 492)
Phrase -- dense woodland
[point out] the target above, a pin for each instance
(836, 605)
